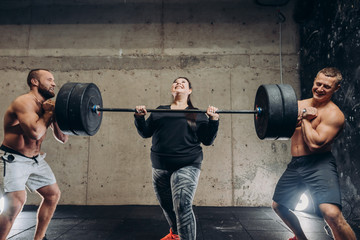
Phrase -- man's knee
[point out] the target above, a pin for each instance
(54, 197)
(13, 207)
(277, 207)
(50, 193)
(332, 214)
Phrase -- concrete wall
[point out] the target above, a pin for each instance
(133, 50)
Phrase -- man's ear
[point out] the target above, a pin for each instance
(34, 82)
(337, 87)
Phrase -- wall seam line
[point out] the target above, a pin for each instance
(232, 148)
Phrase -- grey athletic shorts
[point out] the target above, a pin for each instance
(316, 173)
(19, 171)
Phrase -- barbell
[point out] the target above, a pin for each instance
(79, 110)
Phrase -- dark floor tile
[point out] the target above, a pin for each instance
(75, 211)
(27, 214)
(24, 223)
(145, 212)
(273, 235)
(261, 225)
(109, 212)
(65, 223)
(84, 234)
(22, 235)
(147, 222)
(214, 213)
(318, 236)
(252, 213)
(221, 225)
(226, 235)
(312, 226)
(214, 229)
(100, 224)
(140, 229)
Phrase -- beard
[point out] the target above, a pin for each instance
(45, 92)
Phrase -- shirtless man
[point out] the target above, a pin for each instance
(313, 166)
(25, 124)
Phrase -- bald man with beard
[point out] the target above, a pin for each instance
(26, 122)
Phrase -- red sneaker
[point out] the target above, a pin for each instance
(171, 236)
(293, 238)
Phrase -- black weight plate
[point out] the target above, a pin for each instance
(290, 113)
(62, 106)
(83, 121)
(91, 119)
(267, 124)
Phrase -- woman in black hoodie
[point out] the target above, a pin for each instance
(176, 155)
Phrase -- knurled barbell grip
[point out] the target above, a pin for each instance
(97, 109)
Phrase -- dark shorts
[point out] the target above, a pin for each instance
(316, 173)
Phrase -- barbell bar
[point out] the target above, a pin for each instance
(97, 109)
(79, 109)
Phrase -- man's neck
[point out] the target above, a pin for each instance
(37, 96)
(319, 104)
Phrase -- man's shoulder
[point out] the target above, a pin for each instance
(331, 107)
(24, 97)
(22, 102)
(336, 109)
(333, 113)
(305, 100)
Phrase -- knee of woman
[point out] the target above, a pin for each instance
(166, 207)
(182, 204)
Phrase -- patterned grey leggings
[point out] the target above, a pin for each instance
(175, 192)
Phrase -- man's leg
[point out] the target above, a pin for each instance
(51, 196)
(14, 202)
(336, 221)
(290, 219)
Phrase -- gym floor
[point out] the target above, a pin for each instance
(148, 222)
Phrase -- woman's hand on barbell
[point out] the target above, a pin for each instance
(211, 112)
(140, 110)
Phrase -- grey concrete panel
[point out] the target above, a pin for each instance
(120, 168)
(133, 50)
(257, 164)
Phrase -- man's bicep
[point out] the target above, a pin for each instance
(328, 130)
